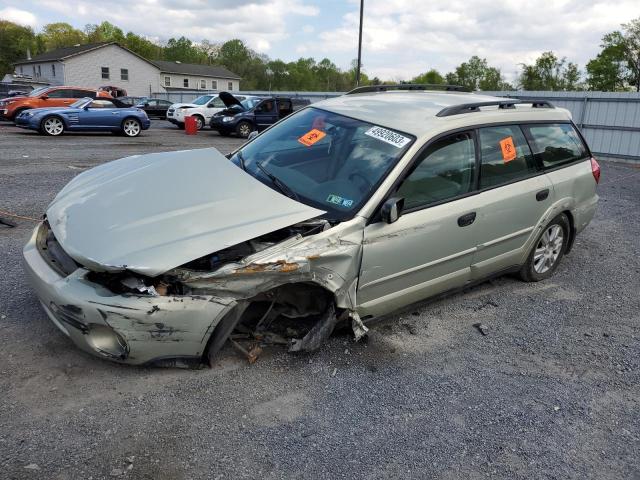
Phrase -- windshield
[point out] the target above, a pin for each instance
(80, 103)
(204, 99)
(37, 91)
(249, 103)
(323, 159)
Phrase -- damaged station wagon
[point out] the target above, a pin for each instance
(342, 212)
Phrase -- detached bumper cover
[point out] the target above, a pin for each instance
(152, 327)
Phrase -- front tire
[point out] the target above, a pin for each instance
(199, 122)
(244, 129)
(52, 126)
(547, 251)
(131, 127)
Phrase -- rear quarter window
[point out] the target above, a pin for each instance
(556, 144)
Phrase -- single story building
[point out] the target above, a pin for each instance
(107, 63)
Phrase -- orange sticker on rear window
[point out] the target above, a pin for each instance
(508, 149)
(312, 137)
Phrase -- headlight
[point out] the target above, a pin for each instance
(227, 119)
(26, 114)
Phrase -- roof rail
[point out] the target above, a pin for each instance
(501, 104)
(408, 86)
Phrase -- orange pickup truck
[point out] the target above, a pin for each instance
(44, 97)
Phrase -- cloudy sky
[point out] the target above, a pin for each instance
(401, 37)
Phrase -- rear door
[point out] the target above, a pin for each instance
(514, 195)
(429, 249)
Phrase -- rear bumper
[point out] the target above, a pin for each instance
(147, 328)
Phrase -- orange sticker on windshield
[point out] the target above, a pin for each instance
(312, 137)
(508, 149)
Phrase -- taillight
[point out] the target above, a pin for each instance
(595, 169)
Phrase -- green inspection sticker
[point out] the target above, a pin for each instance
(338, 200)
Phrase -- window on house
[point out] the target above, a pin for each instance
(53, 69)
(214, 84)
(34, 71)
(21, 71)
(105, 72)
(230, 86)
(185, 83)
(124, 74)
(39, 71)
(167, 81)
(203, 84)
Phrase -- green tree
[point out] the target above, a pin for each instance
(105, 32)
(183, 50)
(430, 77)
(58, 35)
(631, 35)
(476, 74)
(549, 72)
(15, 41)
(607, 72)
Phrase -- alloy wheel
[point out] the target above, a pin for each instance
(131, 128)
(53, 126)
(548, 249)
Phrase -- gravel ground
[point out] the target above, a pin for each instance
(552, 391)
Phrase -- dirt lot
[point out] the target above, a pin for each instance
(553, 390)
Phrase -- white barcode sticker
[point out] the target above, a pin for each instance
(388, 136)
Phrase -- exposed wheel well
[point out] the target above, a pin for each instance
(304, 314)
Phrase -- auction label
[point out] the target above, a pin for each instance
(388, 136)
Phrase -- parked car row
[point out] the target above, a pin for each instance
(54, 110)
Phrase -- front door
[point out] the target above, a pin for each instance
(266, 114)
(429, 249)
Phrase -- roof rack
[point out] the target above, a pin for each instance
(408, 86)
(501, 104)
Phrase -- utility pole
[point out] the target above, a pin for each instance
(359, 46)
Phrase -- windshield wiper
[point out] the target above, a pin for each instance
(241, 158)
(278, 183)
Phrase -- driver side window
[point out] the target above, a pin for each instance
(446, 170)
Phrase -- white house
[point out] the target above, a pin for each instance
(108, 63)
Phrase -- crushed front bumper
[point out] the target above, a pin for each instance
(133, 329)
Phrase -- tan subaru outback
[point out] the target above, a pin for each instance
(342, 212)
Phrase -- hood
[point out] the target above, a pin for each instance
(151, 213)
(229, 100)
(184, 105)
(13, 99)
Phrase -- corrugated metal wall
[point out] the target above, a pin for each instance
(610, 122)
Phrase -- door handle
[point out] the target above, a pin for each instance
(466, 220)
(542, 195)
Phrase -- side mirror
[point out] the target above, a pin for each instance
(146, 104)
(44, 97)
(252, 135)
(392, 209)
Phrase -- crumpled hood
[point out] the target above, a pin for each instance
(151, 213)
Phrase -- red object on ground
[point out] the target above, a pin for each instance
(190, 126)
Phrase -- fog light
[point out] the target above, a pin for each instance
(107, 341)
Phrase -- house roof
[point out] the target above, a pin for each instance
(193, 69)
(62, 53)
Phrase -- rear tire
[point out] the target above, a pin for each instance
(547, 250)
(52, 126)
(244, 129)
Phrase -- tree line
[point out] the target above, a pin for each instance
(615, 68)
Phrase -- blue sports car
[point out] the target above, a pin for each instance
(85, 115)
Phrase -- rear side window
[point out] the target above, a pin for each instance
(505, 156)
(445, 171)
(556, 144)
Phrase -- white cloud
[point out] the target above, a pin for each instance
(402, 38)
(21, 17)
